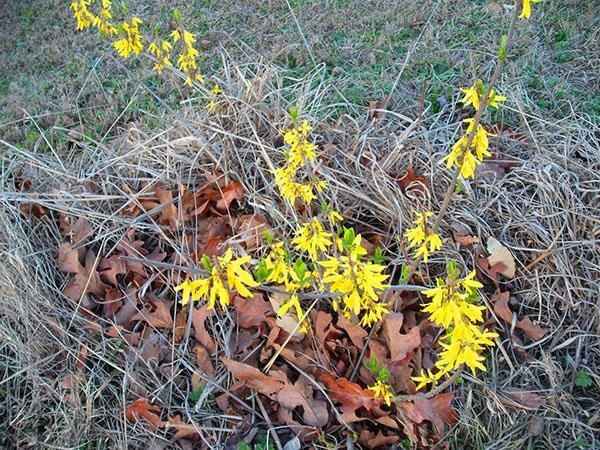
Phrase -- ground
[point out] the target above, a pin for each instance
(78, 124)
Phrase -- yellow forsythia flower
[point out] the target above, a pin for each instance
(450, 302)
(453, 307)
(526, 11)
(475, 93)
(359, 282)
(311, 237)
(294, 302)
(132, 42)
(382, 390)
(160, 49)
(82, 14)
(422, 237)
(276, 262)
(463, 156)
(227, 275)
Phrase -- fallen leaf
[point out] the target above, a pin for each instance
(180, 324)
(86, 281)
(233, 191)
(111, 267)
(502, 310)
(184, 430)
(34, 209)
(253, 378)
(79, 231)
(410, 182)
(465, 241)
(349, 394)
(522, 399)
(160, 317)
(203, 360)
(356, 333)
(289, 322)
(141, 409)
(400, 345)
(252, 312)
(492, 8)
(500, 254)
(437, 410)
(68, 259)
(201, 335)
(369, 441)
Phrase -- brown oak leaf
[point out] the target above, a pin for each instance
(141, 409)
(437, 410)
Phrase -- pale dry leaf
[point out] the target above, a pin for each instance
(500, 254)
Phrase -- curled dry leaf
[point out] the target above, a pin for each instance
(437, 410)
(500, 254)
(350, 395)
(522, 399)
(502, 310)
(356, 333)
(160, 317)
(141, 409)
(253, 378)
(411, 184)
(201, 334)
(232, 191)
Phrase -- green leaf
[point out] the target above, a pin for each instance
(300, 270)
(177, 15)
(268, 237)
(243, 446)
(206, 263)
(581, 443)
(582, 379)
(262, 272)
(195, 395)
(324, 206)
(348, 238)
(452, 269)
(378, 257)
(294, 113)
(502, 48)
(459, 186)
(405, 272)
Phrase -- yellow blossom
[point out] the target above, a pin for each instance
(422, 237)
(160, 50)
(216, 90)
(526, 11)
(228, 274)
(132, 42)
(294, 302)
(81, 13)
(475, 93)
(311, 238)
(335, 217)
(280, 271)
(382, 390)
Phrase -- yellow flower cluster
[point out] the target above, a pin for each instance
(359, 282)
(423, 237)
(160, 49)
(86, 19)
(187, 56)
(227, 275)
(301, 151)
(526, 11)
(212, 103)
(311, 237)
(132, 40)
(453, 306)
(382, 390)
(475, 139)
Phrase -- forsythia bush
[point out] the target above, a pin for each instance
(325, 257)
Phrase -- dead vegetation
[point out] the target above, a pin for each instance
(96, 352)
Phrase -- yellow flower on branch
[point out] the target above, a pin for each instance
(464, 344)
(312, 238)
(227, 275)
(160, 49)
(294, 302)
(81, 13)
(526, 11)
(463, 157)
(132, 42)
(382, 390)
(475, 94)
(422, 237)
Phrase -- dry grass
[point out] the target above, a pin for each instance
(545, 210)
